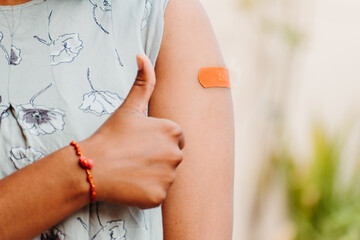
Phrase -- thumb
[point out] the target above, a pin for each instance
(143, 87)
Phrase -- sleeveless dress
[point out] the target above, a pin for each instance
(65, 67)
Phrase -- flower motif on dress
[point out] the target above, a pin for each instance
(118, 58)
(100, 102)
(112, 230)
(14, 58)
(40, 120)
(65, 48)
(52, 234)
(147, 13)
(3, 110)
(104, 6)
(21, 157)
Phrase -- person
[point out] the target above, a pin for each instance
(67, 74)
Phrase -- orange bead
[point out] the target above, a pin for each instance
(87, 164)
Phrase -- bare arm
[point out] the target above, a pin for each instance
(40, 195)
(199, 204)
(125, 172)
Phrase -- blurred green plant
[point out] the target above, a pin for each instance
(320, 205)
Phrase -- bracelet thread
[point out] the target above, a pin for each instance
(86, 164)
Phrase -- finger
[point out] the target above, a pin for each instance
(143, 87)
(181, 141)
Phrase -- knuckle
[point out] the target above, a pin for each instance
(174, 154)
(178, 131)
(158, 197)
(174, 128)
(177, 155)
(170, 177)
(173, 176)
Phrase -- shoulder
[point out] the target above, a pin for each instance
(184, 7)
(188, 33)
(187, 16)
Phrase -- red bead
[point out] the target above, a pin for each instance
(82, 162)
(90, 163)
(86, 162)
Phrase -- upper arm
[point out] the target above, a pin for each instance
(199, 204)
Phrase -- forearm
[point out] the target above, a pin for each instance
(38, 196)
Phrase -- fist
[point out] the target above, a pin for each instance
(135, 157)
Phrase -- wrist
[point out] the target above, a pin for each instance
(77, 179)
(92, 150)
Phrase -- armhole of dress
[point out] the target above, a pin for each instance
(155, 30)
(165, 4)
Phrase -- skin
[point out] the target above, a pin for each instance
(199, 203)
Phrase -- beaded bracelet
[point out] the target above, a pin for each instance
(86, 164)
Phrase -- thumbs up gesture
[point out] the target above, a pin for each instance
(135, 157)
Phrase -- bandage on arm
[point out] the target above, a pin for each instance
(214, 77)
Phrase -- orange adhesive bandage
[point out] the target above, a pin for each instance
(214, 77)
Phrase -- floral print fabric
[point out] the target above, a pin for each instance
(39, 119)
(100, 102)
(22, 157)
(65, 48)
(13, 57)
(65, 67)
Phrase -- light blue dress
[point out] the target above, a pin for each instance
(65, 67)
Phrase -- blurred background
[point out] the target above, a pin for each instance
(295, 68)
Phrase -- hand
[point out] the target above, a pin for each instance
(135, 157)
